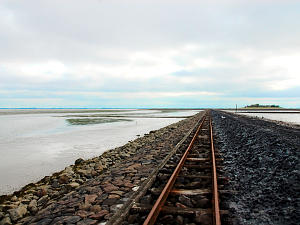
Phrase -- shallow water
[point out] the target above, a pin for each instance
(290, 117)
(35, 145)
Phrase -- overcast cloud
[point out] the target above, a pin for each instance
(149, 53)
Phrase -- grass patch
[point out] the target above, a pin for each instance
(88, 121)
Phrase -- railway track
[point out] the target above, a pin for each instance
(188, 189)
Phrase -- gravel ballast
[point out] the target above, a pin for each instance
(261, 159)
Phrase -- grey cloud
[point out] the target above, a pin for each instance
(108, 32)
(70, 29)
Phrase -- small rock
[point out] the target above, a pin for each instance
(102, 223)
(14, 198)
(45, 221)
(85, 206)
(166, 219)
(8, 206)
(114, 196)
(55, 184)
(90, 198)
(1, 215)
(118, 181)
(179, 220)
(114, 208)
(203, 219)
(132, 218)
(94, 173)
(5, 221)
(110, 201)
(73, 185)
(99, 215)
(84, 172)
(95, 208)
(25, 200)
(42, 192)
(63, 179)
(202, 203)
(82, 213)
(135, 188)
(107, 217)
(86, 222)
(69, 170)
(42, 200)
(99, 166)
(128, 184)
(109, 187)
(71, 219)
(147, 199)
(32, 207)
(120, 193)
(79, 181)
(234, 206)
(185, 200)
(79, 161)
(179, 205)
(18, 213)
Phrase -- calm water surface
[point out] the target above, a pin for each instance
(35, 145)
(291, 117)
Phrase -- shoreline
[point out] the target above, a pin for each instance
(278, 122)
(24, 205)
(18, 111)
(41, 145)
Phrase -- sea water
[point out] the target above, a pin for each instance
(35, 143)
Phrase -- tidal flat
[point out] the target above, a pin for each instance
(37, 142)
(290, 116)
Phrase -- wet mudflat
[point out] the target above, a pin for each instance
(38, 142)
(262, 160)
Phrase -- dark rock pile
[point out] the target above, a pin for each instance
(91, 191)
(262, 160)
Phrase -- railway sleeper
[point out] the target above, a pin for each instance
(190, 159)
(194, 166)
(137, 208)
(157, 191)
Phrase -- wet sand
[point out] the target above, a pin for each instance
(33, 145)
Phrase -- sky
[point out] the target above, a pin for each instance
(149, 53)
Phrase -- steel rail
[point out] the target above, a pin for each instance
(216, 209)
(152, 216)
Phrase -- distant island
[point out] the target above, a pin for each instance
(262, 106)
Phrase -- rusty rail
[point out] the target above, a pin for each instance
(159, 204)
(216, 209)
(151, 218)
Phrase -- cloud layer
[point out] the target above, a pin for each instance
(149, 53)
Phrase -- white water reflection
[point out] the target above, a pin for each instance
(35, 145)
(285, 116)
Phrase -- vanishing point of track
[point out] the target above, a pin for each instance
(185, 189)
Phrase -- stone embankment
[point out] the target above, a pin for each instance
(262, 161)
(91, 191)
